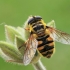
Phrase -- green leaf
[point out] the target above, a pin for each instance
(36, 58)
(26, 32)
(10, 51)
(5, 57)
(20, 43)
(51, 24)
(22, 32)
(10, 33)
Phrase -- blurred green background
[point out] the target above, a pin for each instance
(15, 13)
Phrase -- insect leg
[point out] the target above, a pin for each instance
(22, 45)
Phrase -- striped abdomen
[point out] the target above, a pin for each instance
(46, 45)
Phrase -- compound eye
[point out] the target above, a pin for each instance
(35, 29)
(42, 26)
(38, 17)
(34, 19)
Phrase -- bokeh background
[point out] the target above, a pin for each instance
(15, 13)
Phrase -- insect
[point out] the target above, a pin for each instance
(42, 39)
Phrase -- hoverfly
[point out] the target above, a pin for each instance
(42, 38)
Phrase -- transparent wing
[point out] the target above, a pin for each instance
(30, 51)
(59, 36)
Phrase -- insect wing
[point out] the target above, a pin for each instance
(30, 51)
(60, 36)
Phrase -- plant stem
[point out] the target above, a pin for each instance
(39, 66)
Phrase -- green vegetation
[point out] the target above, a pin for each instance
(16, 12)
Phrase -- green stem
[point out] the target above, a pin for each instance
(39, 66)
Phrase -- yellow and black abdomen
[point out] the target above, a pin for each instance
(45, 45)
